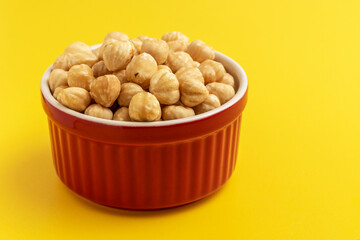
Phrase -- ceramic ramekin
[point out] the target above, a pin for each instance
(136, 165)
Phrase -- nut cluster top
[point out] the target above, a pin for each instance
(141, 79)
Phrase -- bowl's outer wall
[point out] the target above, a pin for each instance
(145, 167)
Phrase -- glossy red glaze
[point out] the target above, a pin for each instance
(145, 167)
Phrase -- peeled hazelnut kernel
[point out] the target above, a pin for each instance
(178, 45)
(77, 47)
(105, 90)
(128, 90)
(118, 54)
(80, 53)
(212, 71)
(144, 107)
(57, 91)
(75, 98)
(164, 67)
(82, 58)
(99, 69)
(57, 78)
(199, 51)
(223, 91)
(122, 114)
(210, 103)
(61, 62)
(165, 87)
(96, 110)
(137, 44)
(121, 76)
(140, 69)
(156, 48)
(117, 36)
(189, 73)
(102, 47)
(176, 112)
(142, 38)
(177, 60)
(227, 79)
(192, 92)
(80, 76)
(173, 36)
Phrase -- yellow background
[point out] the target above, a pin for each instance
(298, 170)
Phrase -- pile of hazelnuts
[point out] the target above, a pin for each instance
(141, 79)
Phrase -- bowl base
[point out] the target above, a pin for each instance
(116, 207)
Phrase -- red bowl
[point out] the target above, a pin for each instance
(138, 165)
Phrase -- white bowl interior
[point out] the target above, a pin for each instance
(231, 66)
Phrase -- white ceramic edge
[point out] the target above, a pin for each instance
(232, 66)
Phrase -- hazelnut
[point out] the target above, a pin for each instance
(122, 114)
(173, 36)
(199, 51)
(58, 77)
(102, 47)
(193, 92)
(117, 36)
(96, 110)
(212, 71)
(82, 58)
(189, 73)
(177, 60)
(57, 92)
(140, 69)
(105, 90)
(144, 107)
(227, 79)
(223, 91)
(176, 112)
(80, 76)
(118, 54)
(137, 44)
(210, 103)
(178, 45)
(156, 48)
(80, 53)
(75, 98)
(76, 47)
(128, 90)
(62, 62)
(121, 76)
(99, 69)
(165, 87)
(142, 38)
(164, 67)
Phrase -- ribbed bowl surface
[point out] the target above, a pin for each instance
(145, 177)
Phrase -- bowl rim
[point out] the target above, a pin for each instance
(240, 93)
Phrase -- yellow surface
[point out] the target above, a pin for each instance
(298, 171)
